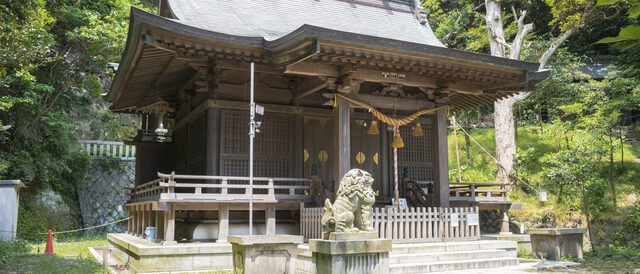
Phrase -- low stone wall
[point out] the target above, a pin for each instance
(102, 191)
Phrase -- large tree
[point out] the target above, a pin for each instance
(569, 16)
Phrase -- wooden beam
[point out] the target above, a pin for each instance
(308, 91)
(387, 102)
(226, 104)
(341, 141)
(313, 69)
(259, 68)
(367, 75)
(440, 158)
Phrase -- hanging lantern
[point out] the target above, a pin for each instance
(373, 129)
(417, 131)
(397, 141)
(161, 131)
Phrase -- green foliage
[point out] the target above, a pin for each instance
(52, 74)
(10, 250)
(628, 36)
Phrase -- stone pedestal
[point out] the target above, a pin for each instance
(264, 253)
(354, 253)
(556, 243)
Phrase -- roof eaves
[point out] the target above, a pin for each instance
(310, 31)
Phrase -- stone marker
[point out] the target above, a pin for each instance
(556, 243)
(9, 194)
(264, 253)
(349, 243)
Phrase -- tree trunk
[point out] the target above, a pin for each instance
(505, 138)
(613, 186)
(494, 27)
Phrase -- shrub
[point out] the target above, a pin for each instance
(9, 250)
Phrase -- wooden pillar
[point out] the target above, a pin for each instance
(130, 220)
(159, 225)
(213, 141)
(169, 225)
(270, 219)
(440, 158)
(223, 222)
(143, 218)
(341, 141)
(138, 220)
(298, 149)
(384, 161)
(147, 210)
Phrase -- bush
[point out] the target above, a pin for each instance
(9, 250)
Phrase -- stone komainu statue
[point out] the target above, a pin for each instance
(351, 211)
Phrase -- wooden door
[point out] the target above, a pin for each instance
(365, 150)
(318, 149)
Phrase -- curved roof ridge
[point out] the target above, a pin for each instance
(274, 19)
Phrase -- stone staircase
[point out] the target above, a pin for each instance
(434, 257)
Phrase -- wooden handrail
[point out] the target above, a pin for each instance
(231, 178)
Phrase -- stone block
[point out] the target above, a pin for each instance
(264, 253)
(556, 243)
(353, 256)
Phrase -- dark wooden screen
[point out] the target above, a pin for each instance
(273, 146)
(198, 145)
(365, 150)
(189, 147)
(417, 155)
(180, 142)
(318, 148)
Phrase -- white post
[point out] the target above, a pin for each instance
(252, 134)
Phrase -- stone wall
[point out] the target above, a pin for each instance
(102, 191)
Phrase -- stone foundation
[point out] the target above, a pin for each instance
(144, 257)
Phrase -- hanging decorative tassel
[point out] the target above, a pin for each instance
(397, 141)
(417, 131)
(373, 129)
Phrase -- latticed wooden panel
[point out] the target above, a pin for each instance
(416, 158)
(273, 140)
(417, 172)
(417, 149)
(273, 147)
(262, 168)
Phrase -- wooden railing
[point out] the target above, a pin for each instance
(478, 192)
(100, 149)
(171, 187)
(411, 225)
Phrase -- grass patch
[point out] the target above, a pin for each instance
(607, 260)
(71, 256)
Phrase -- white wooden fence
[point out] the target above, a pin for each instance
(411, 225)
(100, 149)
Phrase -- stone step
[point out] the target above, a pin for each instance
(453, 265)
(449, 256)
(453, 246)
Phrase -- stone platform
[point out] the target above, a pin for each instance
(524, 240)
(146, 257)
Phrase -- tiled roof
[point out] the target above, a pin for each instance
(273, 19)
